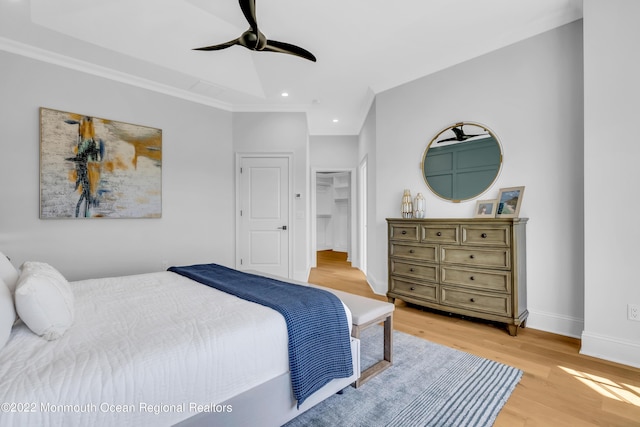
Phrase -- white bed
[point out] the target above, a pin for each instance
(152, 350)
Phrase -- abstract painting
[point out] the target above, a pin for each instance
(98, 168)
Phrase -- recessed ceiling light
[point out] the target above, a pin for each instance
(335, 120)
(284, 94)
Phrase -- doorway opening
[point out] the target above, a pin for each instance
(334, 271)
(333, 213)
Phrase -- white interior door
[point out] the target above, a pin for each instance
(264, 215)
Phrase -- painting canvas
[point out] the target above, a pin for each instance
(98, 168)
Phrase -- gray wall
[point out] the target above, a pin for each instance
(333, 152)
(611, 35)
(197, 178)
(283, 133)
(531, 95)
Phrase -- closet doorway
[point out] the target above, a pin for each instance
(333, 212)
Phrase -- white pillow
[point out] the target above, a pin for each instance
(7, 313)
(8, 273)
(44, 300)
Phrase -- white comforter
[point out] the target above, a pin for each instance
(143, 350)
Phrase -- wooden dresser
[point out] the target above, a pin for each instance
(472, 267)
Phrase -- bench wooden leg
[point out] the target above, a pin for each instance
(387, 360)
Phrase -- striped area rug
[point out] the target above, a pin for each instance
(428, 385)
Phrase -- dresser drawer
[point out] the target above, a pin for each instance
(468, 266)
(407, 232)
(419, 271)
(486, 235)
(446, 233)
(499, 281)
(415, 252)
(476, 257)
(424, 291)
(476, 301)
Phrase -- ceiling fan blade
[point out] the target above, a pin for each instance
(219, 46)
(249, 10)
(275, 46)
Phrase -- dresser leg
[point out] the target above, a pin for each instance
(513, 330)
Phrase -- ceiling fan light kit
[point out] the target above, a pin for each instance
(254, 39)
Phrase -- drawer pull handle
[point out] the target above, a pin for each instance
(411, 270)
(439, 234)
(483, 235)
(410, 251)
(472, 278)
(404, 231)
(413, 289)
(472, 300)
(472, 256)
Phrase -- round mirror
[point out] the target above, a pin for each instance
(462, 161)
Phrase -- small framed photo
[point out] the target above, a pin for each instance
(509, 202)
(486, 208)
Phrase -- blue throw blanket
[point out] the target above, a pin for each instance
(319, 341)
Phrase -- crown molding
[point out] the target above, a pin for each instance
(43, 55)
(39, 54)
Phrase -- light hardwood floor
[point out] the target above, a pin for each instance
(560, 387)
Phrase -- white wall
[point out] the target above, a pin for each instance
(333, 152)
(198, 175)
(611, 35)
(531, 95)
(283, 133)
(197, 179)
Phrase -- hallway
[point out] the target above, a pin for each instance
(334, 271)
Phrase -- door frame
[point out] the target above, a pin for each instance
(363, 200)
(353, 217)
(291, 226)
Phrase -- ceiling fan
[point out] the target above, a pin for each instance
(253, 39)
(460, 135)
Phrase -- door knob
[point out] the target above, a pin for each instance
(284, 227)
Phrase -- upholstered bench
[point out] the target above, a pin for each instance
(367, 312)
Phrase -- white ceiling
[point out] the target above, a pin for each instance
(363, 47)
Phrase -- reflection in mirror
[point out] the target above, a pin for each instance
(462, 161)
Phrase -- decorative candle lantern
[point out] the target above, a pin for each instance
(420, 206)
(407, 205)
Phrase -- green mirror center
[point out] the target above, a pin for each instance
(462, 161)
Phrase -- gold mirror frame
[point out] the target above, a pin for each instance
(464, 164)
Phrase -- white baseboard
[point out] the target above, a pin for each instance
(302, 275)
(378, 288)
(555, 323)
(602, 347)
(612, 349)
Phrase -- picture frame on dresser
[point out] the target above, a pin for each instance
(509, 202)
(486, 208)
